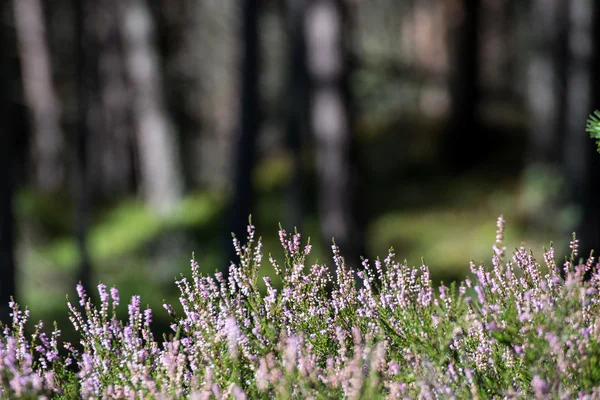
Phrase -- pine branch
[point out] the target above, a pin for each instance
(593, 127)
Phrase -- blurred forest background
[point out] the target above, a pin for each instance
(135, 132)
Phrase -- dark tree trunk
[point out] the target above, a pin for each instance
(87, 118)
(496, 27)
(297, 107)
(465, 141)
(546, 81)
(581, 160)
(7, 237)
(329, 67)
(177, 29)
(7, 262)
(111, 166)
(546, 100)
(47, 139)
(245, 146)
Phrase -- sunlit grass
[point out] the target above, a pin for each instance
(131, 225)
(118, 244)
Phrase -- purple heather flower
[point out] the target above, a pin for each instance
(297, 334)
(147, 317)
(498, 248)
(574, 245)
(282, 238)
(480, 294)
(238, 393)
(169, 309)
(114, 294)
(491, 326)
(294, 244)
(81, 294)
(233, 334)
(134, 310)
(103, 294)
(540, 387)
(307, 249)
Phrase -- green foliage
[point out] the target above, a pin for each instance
(131, 226)
(593, 127)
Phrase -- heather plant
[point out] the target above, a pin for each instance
(518, 328)
(23, 374)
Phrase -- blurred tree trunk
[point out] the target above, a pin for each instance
(245, 144)
(496, 26)
(159, 160)
(7, 261)
(465, 141)
(111, 164)
(546, 86)
(327, 49)
(297, 107)
(581, 160)
(519, 50)
(182, 58)
(87, 121)
(546, 100)
(217, 62)
(47, 142)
